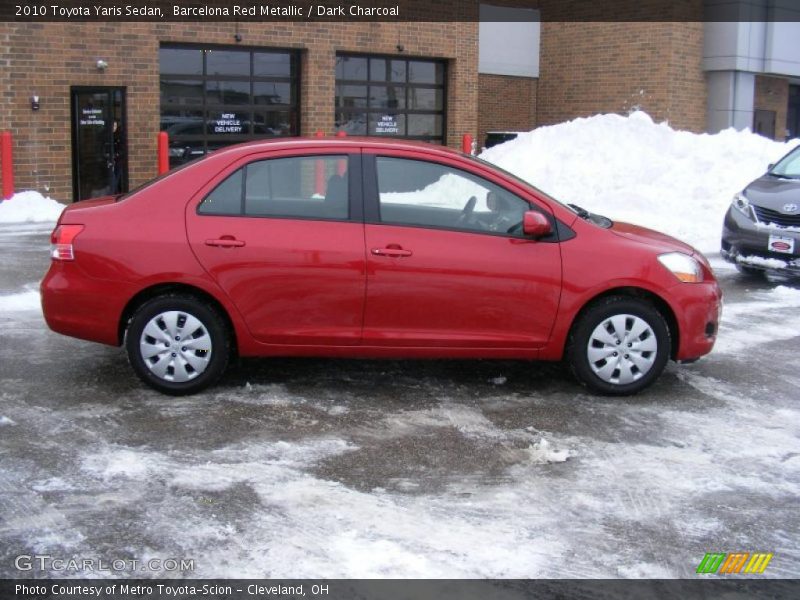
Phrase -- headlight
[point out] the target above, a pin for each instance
(742, 204)
(683, 266)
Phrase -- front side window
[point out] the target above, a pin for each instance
(413, 192)
(308, 187)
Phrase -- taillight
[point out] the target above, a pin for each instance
(61, 241)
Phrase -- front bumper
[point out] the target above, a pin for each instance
(745, 242)
(699, 311)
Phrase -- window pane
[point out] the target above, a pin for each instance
(183, 151)
(383, 96)
(226, 199)
(182, 122)
(272, 64)
(272, 93)
(228, 92)
(179, 61)
(313, 187)
(398, 71)
(387, 124)
(351, 123)
(421, 193)
(426, 98)
(425, 72)
(227, 62)
(351, 96)
(377, 69)
(428, 125)
(271, 123)
(351, 67)
(181, 93)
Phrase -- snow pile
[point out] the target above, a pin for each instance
(632, 169)
(29, 207)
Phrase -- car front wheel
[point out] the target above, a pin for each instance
(177, 344)
(619, 346)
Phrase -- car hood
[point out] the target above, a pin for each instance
(651, 237)
(773, 193)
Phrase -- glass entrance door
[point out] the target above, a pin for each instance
(99, 142)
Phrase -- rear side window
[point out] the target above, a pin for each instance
(308, 187)
(226, 199)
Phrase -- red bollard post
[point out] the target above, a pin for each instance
(163, 152)
(7, 160)
(466, 144)
(341, 167)
(319, 170)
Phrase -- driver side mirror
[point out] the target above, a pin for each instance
(769, 166)
(535, 224)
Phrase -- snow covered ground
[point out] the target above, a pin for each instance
(322, 468)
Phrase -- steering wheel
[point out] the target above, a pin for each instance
(515, 228)
(466, 214)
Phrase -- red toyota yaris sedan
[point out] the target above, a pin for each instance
(370, 248)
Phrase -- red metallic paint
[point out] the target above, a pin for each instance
(314, 288)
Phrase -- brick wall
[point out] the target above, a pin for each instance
(505, 104)
(772, 93)
(48, 58)
(614, 67)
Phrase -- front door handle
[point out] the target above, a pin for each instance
(226, 241)
(392, 251)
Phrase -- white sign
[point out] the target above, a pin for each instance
(387, 124)
(92, 117)
(228, 123)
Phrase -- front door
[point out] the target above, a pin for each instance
(448, 264)
(99, 142)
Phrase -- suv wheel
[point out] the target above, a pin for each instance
(177, 344)
(619, 346)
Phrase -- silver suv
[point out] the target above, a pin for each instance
(762, 226)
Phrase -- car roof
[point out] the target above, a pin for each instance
(346, 143)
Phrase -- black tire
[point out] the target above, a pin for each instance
(587, 329)
(211, 337)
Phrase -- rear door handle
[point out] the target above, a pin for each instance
(392, 252)
(226, 241)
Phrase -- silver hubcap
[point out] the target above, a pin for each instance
(175, 346)
(622, 349)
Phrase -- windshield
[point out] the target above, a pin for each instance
(788, 166)
(515, 178)
(584, 214)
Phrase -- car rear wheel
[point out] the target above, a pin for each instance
(619, 346)
(177, 344)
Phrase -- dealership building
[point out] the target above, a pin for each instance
(86, 100)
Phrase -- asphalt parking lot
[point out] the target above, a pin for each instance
(334, 468)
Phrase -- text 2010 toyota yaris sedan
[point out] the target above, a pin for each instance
(370, 248)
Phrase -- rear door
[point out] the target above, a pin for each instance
(283, 236)
(447, 263)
